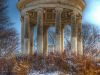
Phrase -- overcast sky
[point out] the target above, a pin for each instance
(91, 13)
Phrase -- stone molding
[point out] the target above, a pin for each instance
(70, 4)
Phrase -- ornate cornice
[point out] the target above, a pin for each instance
(22, 3)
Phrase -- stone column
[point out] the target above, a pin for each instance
(73, 35)
(32, 40)
(26, 34)
(79, 39)
(45, 41)
(62, 39)
(40, 30)
(58, 29)
(22, 34)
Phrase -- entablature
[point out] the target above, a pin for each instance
(22, 4)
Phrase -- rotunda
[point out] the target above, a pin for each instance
(47, 13)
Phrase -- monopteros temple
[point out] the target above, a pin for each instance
(47, 13)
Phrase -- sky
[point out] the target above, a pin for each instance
(91, 13)
(14, 14)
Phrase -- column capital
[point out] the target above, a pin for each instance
(73, 19)
(59, 10)
(25, 14)
(39, 10)
(74, 12)
(79, 19)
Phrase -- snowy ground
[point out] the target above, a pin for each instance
(52, 73)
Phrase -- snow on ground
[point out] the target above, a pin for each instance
(52, 73)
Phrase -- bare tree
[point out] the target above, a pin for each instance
(8, 35)
(52, 36)
(67, 36)
(91, 39)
